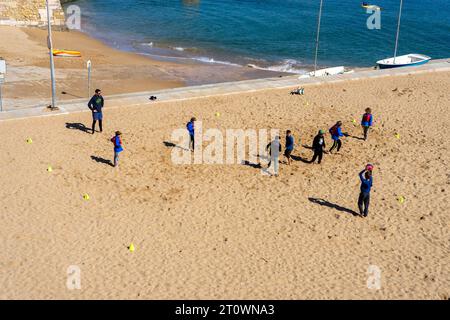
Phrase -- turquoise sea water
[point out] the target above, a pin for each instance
(275, 34)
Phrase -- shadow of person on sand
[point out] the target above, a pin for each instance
(102, 160)
(328, 204)
(355, 137)
(71, 94)
(298, 158)
(169, 144)
(78, 126)
(250, 164)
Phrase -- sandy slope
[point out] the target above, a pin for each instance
(220, 231)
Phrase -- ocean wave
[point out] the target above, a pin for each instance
(288, 66)
(149, 44)
(213, 61)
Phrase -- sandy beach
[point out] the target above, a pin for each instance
(227, 231)
(28, 78)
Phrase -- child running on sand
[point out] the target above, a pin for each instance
(336, 134)
(366, 122)
(364, 195)
(117, 147)
(289, 147)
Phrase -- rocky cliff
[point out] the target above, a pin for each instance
(30, 13)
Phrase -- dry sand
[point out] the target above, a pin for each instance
(226, 231)
(118, 72)
(114, 71)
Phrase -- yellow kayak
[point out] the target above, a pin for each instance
(66, 53)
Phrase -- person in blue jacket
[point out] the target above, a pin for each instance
(96, 105)
(117, 141)
(336, 134)
(289, 146)
(190, 126)
(364, 195)
(366, 122)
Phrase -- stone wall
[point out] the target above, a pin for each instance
(30, 13)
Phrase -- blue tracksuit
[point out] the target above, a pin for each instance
(367, 123)
(366, 184)
(190, 128)
(289, 143)
(338, 134)
(364, 196)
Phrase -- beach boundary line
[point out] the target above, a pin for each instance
(219, 89)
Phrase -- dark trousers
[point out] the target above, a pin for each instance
(100, 124)
(336, 143)
(317, 154)
(366, 131)
(191, 142)
(363, 203)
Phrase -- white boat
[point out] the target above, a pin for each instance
(324, 72)
(327, 71)
(412, 59)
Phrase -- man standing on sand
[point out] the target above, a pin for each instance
(96, 104)
(318, 146)
(190, 126)
(364, 196)
(274, 148)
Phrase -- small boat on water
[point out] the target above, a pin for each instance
(66, 53)
(365, 5)
(412, 59)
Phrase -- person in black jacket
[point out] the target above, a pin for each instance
(96, 105)
(318, 146)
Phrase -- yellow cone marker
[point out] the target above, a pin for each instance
(29, 141)
(86, 196)
(49, 169)
(131, 247)
(217, 114)
(401, 199)
(397, 135)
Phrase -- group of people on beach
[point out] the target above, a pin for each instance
(274, 148)
(318, 144)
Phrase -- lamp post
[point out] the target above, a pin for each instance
(52, 64)
(89, 65)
